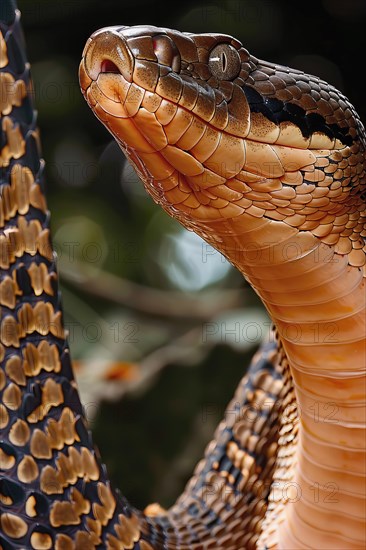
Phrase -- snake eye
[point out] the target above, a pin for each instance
(224, 62)
(166, 52)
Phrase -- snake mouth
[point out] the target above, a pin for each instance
(107, 66)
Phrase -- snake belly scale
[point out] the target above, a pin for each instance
(267, 164)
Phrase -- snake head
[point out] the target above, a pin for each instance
(224, 141)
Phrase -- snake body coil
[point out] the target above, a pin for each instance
(267, 164)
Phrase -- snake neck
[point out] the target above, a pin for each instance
(317, 302)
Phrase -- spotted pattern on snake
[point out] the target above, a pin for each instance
(265, 163)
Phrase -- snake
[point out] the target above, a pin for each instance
(266, 164)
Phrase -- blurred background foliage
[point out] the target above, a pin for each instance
(161, 327)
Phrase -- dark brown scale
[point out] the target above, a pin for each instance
(186, 44)
(142, 48)
(146, 71)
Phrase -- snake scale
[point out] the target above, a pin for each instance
(265, 163)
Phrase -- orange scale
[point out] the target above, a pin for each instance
(308, 210)
(207, 144)
(250, 177)
(275, 215)
(280, 202)
(286, 211)
(238, 185)
(321, 162)
(192, 134)
(338, 174)
(321, 201)
(343, 246)
(297, 207)
(265, 204)
(202, 198)
(357, 258)
(358, 245)
(308, 225)
(151, 129)
(219, 203)
(293, 178)
(354, 236)
(338, 228)
(177, 127)
(255, 211)
(327, 181)
(330, 239)
(225, 192)
(306, 188)
(253, 195)
(244, 203)
(347, 232)
(323, 230)
(286, 193)
(315, 176)
(192, 201)
(302, 199)
(296, 220)
(331, 168)
(231, 211)
(182, 161)
(341, 220)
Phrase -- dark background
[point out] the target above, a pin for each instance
(178, 354)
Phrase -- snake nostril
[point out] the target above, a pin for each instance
(107, 66)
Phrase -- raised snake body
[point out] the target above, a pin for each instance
(268, 165)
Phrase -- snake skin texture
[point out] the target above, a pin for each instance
(267, 164)
(282, 163)
(54, 491)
